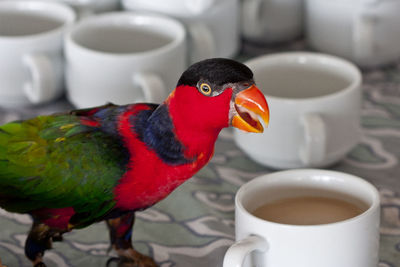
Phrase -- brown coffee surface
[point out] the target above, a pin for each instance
(13, 23)
(119, 39)
(298, 81)
(308, 210)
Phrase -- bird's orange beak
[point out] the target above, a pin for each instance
(250, 105)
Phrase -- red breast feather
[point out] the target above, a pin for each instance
(196, 122)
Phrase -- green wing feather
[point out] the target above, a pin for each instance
(55, 162)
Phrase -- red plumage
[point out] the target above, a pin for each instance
(149, 179)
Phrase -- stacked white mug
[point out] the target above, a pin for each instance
(315, 104)
(366, 32)
(123, 57)
(212, 25)
(271, 21)
(31, 35)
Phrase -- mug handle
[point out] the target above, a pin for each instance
(363, 35)
(43, 85)
(251, 17)
(314, 148)
(203, 41)
(236, 253)
(152, 86)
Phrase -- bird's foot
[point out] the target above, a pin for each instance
(132, 258)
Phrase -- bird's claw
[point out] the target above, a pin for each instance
(112, 260)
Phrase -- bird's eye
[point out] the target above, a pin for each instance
(205, 89)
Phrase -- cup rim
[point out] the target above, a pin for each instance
(307, 172)
(138, 5)
(176, 41)
(354, 84)
(68, 19)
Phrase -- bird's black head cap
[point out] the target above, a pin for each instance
(219, 71)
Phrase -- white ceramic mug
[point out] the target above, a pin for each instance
(212, 25)
(315, 103)
(366, 32)
(347, 243)
(124, 57)
(271, 21)
(31, 69)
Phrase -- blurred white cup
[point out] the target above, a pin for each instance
(366, 32)
(124, 57)
(31, 33)
(212, 25)
(315, 104)
(271, 21)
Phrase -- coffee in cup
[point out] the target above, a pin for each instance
(13, 23)
(308, 210)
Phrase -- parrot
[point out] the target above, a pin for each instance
(72, 169)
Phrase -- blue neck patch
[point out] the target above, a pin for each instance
(154, 128)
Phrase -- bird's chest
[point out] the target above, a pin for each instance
(150, 180)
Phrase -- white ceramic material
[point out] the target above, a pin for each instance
(364, 31)
(271, 21)
(306, 129)
(212, 25)
(348, 243)
(105, 5)
(96, 77)
(89, 7)
(31, 69)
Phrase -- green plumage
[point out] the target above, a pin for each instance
(56, 162)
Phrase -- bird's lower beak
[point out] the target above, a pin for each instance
(250, 105)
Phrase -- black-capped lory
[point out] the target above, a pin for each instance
(73, 169)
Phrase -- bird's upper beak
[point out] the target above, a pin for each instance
(250, 105)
